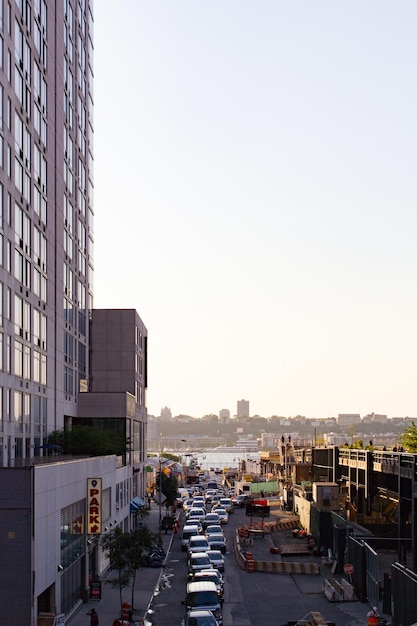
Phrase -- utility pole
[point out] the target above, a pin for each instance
(160, 481)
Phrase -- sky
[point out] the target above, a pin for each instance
(255, 200)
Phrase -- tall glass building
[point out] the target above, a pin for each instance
(46, 217)
(62, 362)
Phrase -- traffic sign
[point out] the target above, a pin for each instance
(348, 568)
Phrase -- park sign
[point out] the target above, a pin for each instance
(94, 506)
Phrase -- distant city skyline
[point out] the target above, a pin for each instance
(166, 413)
(255, 200)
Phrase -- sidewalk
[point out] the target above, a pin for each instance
(108, 608)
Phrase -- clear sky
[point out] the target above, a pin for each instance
(255, 200)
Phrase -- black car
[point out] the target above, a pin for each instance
(242, 500)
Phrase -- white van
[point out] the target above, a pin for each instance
(203, 595)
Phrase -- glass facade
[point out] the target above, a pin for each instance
(46, 214)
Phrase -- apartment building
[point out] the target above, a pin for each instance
(62, 362)
(243, 408)
(46, 217)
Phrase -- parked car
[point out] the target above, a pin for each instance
(217, 560)
(217, 542)
(199, 617)
(198, 561)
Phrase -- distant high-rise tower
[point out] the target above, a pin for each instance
(224, 415)
(243, 408)
(166, 413)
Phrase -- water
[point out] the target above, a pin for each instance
(230, 458)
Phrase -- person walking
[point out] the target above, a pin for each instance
(93, 618)
(373, 616)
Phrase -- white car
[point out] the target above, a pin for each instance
(198, 543)
(223, 515)
(199, 617)
(213, 529)
(196, 514)
(217, 560)
(187, 504)
(199, 502)
(227, 504)
(210, 519)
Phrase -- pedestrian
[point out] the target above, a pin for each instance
(94, 617)
(372, 613)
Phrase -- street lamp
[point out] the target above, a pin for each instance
(160, 481)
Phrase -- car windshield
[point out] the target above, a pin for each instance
(200, 560)
(215, 529)
(202, 598)
(201, 621)
(213, 578)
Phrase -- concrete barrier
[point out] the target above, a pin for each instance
(288, 524)
(349, 594)
(282, 567)
(329, 591)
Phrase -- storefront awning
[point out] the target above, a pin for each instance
(136, 503)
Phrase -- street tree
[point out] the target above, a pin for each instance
(139, 544)
(126, 553)
(169, 487)
(408, 438)
(116, 545)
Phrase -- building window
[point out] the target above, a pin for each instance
(18, 412)
(18, 359)
(36, 366)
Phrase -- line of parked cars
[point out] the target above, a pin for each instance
(203, 540)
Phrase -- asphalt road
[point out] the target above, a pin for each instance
(250, 599)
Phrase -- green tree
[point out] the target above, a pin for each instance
(408, 438)
(172, 457)
(116, 545)
(89, 441)
(169, 487)
(126, 553)
(140, 542)
(352, 433)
